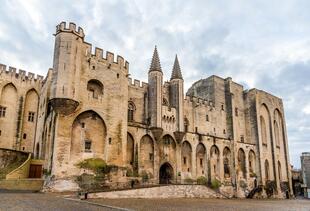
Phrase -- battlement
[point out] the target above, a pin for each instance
(198, 101)
(12, 71)
(93, 53)
(108, 58)
(62, 27)
(137, 83)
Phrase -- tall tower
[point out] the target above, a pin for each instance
(177, 93)
(66, 67)
(155, 80)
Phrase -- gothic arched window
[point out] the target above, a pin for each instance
(131, 110)
(95, 88)
(165, 102)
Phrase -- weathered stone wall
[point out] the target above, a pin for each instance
(22, 184)
(19, 96)
(176, 191)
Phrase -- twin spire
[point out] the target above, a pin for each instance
(176, 71)
(155, 66)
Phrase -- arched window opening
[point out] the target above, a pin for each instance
(276, 133)
(131, 110)
(263, 130)
(95, 88)
(165, 102)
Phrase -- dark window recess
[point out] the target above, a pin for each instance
(222, 107)
(24, 136)
(188, 169)
(2, 111)
(207, 118)
(117, 75)
(110, 140)
(131, 109)
(151, 156)
(184, 160)
(31, 116)
(201, 162)
(87, 146)
(224, 131)
(95, 88)
(93, 94)
(236, 112)
(196, 129)
(0, 132)
(23, 148)
(83, 125)
(186, 128)
(242, 138)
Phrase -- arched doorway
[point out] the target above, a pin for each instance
(165, 174)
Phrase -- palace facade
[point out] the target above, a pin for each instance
(88, 107)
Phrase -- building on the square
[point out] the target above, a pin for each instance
(305, 173)
(87, 106)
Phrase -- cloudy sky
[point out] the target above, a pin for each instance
(259, 43)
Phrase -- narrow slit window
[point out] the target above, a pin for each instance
(2, 111)
(31, 116)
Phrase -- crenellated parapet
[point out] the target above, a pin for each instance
(137, 84)
(23, 75)
(71, 28)
(108, 59)
(94, 55)
(198, 101)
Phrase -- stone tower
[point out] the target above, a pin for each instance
(155, 80)
(66, 66)
(177, 93)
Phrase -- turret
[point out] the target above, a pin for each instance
(177, 93)
(66, 66)
(155, 79)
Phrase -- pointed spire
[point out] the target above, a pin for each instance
(176, 71)
(155, 64)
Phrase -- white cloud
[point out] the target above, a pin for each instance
(306, 109)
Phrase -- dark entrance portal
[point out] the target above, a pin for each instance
(165, 174)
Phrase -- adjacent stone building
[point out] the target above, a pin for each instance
(305, 173)
(87, 106)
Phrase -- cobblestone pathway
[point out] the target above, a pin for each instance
(208, 204)
(40, 201)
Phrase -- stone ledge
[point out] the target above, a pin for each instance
(171, 191)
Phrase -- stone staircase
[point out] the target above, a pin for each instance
(10, 160)
(169, 191)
